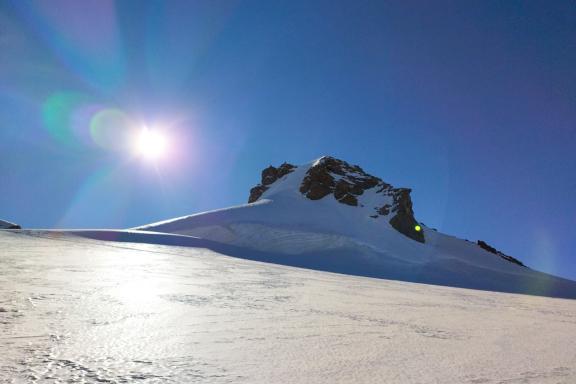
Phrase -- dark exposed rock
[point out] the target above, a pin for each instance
(342, 188)
(406, 225)
(349, 200)
(256, 192)
(384, 210)
(383, 187)
(512, 259)
(370, 182)
(352, 181)
(318, 182)
(318, 190)
(269, 176)
(357, 189)
(8, 225)
(489, 248)
(404, 221)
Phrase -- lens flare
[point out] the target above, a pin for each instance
(57, 111)
(111, 128)
(417, 228)
(151, 144)
(84, 35)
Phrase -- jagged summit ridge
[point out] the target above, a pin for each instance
(347, 184)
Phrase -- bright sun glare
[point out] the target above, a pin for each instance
(151, 144)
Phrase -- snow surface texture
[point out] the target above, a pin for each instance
(81, 310)
(285, 227)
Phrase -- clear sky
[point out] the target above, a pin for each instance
(470, 103)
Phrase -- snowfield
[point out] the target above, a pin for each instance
(77, 309)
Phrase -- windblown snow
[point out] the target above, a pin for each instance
(79, 310)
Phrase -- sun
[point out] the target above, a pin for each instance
(151, 144)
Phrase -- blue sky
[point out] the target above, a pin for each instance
(470, 103)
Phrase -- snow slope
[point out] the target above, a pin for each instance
(80, 310)
(284, 226)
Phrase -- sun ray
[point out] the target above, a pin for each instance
(151, 144)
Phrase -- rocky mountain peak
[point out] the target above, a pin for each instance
(349, 184)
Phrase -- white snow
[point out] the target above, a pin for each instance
(80, 310)
(288, 228)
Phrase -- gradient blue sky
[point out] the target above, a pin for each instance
(470, 103)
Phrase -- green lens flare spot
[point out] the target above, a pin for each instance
(57, 113)
(417, 228)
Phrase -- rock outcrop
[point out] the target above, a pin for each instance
(333, 176)
(8, 225)
(489, 248)
(403, 221)
(269, 176)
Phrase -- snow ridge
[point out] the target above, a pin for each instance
(332, 216)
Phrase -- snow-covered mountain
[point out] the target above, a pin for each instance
(330, 215)
(166, 304)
